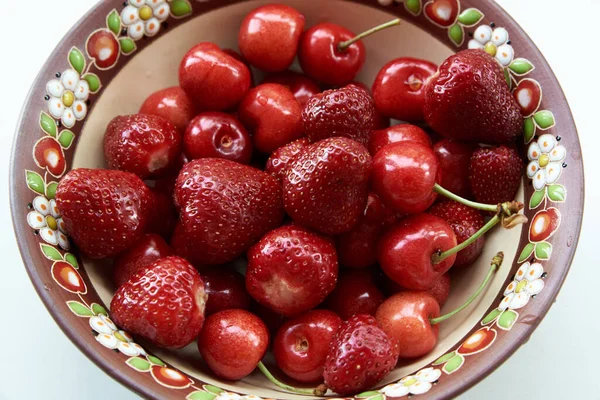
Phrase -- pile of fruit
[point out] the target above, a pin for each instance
(346, 227)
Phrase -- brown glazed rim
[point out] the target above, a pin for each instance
(477, 366)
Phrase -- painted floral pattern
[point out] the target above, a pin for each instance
(46, 219)
(419, 383)
(494, 42)
(143, 17)
(111, 337)
(527, 283)
(67, 97)
(545, 161)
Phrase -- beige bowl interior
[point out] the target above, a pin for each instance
(156, 67)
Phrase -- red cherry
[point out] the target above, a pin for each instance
(226, 290)
(213, 79)
(405, 251)
(232, 342)
(163, 216)
(269, 36)
(273, 320)
(321, 59)
(217, 135)
(399, 88)
(49, 154)
(241, 59)
(395, 134)
(405, 318)
(301, 86)
(455, 157)
(272, 115)
(146, 251)
(404, 175)
(301, 344)
(103, 47)
(440, 290)
(355, 293)
(173, 104)
(544, 224)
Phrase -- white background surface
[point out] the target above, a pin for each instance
(560, 360)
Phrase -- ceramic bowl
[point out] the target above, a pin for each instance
(114, 66)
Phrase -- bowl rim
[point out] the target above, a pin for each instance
(452, 387)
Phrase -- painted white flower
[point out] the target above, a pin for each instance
(143, 17)
(494, 42)
(419, 383)
(67, 97)
(545, 157)
(46, 219)
(111, 337)
(528, 282)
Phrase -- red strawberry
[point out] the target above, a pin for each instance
(105, 212)
(291, 270)
(225, 208)
(163, 303)
(326, 185)
(495, 174)
(281, 157)
(469, 99)
(465, 222)
(347, 112)
(146, 145)
(143, 253)
(163, 216)
(360, 356)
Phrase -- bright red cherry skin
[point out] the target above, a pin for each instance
(399, 88)
(404, 175)
(226, 290)
(321, 59)
(405, 251)
(232, 342)
(144, 252)
(213, 79)
(272, 115)
(173, 104)
(269, 36)
(300, 85)
(218, 135)
(355, 293)
(301, 344)
(405, 318)
(397, 133)
(455, 157)
(440, 291)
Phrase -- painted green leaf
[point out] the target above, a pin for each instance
(366, 395)
(378, 397)
(491, 316)
(50, 252)
(139, 364)
(156, 360)
(456, 33)
(528, 129)
(200, 395)
(35, 182)
(543, 250)
(212, 389)
(51, 190)
(507, 78)
(470, 17)
(536, 198)
(113, 22)
(444, 358)
(48, 124)
(557, 192)
(507, 319)
(521, 66)
(66, 138)
(97, 309)
(180, 8)
(127, 45)
(71, 259)
(76, 59)
(93, 82)
(544, 119)
(79, 309)
(454, 364)
(526, 252)
(413, 6)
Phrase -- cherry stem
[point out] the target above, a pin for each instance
(318, 391)
(494, 266)
(479, 206)
(342, 46)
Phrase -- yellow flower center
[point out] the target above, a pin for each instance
(145, 13)
(68, 98)
(521, 286)
(544, 159)
(51, 222)
(410, 381)
(491, 48)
